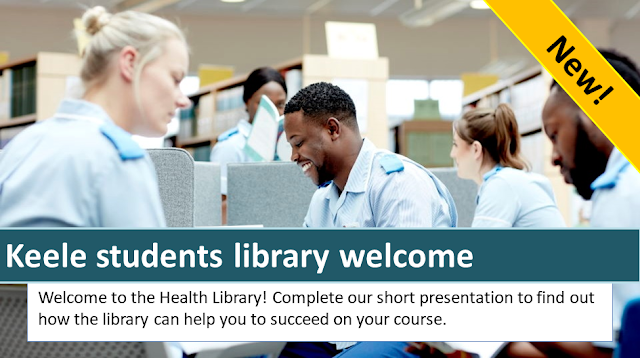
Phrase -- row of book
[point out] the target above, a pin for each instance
(18, 91)
(212, 113)
(526, 100)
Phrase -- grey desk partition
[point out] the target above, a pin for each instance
(190, 191)
(13, 336)
(271, 194)
(463, 192)
(176, 179)
(208, 202)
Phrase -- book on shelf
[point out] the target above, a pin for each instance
(5, 95)
(16, 92)
(29, 92)
(230, 108)
(187, 118)
(204, 125)
(23, 90)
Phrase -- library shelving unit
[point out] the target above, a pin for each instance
(32, 88)
(218, 107)
(527, 92)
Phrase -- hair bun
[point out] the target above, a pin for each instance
(95, 19)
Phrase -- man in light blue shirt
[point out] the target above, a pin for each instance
(589, 161)
(360, 185)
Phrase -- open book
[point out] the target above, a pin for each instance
(262, 144)
(479, 349)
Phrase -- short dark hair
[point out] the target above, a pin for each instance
(625, 67)
(321, 100)
(259, 78)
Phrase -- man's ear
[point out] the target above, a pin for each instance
(126, 62)
(334, 128)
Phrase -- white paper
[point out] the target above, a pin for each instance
(261, 144)
(283, 148)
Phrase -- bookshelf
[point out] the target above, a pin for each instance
(32, 88)
(527, 92)
(219, 106)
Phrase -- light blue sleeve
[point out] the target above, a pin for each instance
(498, 205)
(404, 199)
(127, 195)
(318, 209)
(224, 153)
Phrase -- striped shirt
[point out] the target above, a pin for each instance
(410, 197)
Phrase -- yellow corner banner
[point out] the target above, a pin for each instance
(578, 67)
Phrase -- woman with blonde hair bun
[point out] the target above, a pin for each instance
(486, 148)
(81, 167)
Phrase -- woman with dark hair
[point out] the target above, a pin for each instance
(230, 145)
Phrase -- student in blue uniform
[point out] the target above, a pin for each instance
(81, 167)
(230, 145)
(589, 161)
(361, 185)
(486, 148)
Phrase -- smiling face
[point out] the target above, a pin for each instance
(159, 89)
(311, 146)
(574, 152)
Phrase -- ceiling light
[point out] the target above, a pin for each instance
(433, 12)
(479, 5)
(232, 0)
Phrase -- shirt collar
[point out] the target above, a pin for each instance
(492, 172)
(486, 177)
(616, 164)
(82, 110)
(244, 127)
(360, 172)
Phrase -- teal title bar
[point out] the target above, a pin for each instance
(318, 255)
